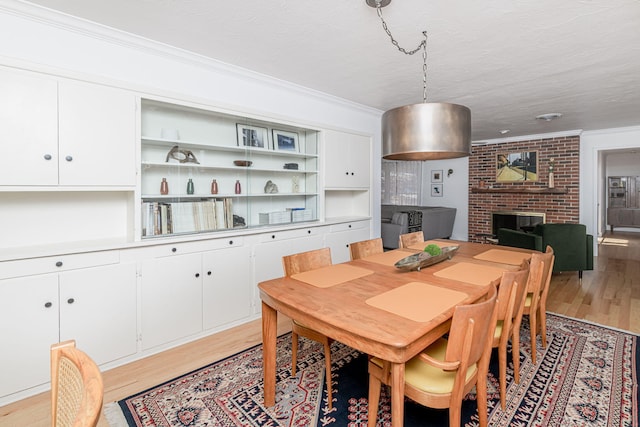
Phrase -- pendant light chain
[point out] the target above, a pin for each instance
(422, 45)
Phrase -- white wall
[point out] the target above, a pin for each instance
(455, 191)
(623, 164)
(35, 38)
(592, 171)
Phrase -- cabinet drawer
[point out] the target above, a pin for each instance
(159, 251)
(349, 226)
(33, 266)
(289, 234)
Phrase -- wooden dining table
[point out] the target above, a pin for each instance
(378, 309)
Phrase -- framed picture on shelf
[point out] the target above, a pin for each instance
(252, 137)
(436, 190)
(519, 166)
(436, 176)
(285, 141)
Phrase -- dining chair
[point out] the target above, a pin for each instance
(442, 374)
(535, 305)
(509, 308)
(76, 387)
(299, 263)
(365, 248)
(409, 239)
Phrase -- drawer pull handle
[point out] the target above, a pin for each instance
(208, 273)
(47, 305)
(47, 157)
(68, 158)
(197, 275)
(308, 231)
(71, 301)
(59, 264)
(231, 242)
(273, 236)
(174, 249)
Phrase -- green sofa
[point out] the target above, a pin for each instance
(572, 246)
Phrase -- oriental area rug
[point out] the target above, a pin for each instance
(587, 376)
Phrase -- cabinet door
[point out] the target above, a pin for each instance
(339, 243)
(97, 135)
(347, 161)
(226, 292)
(360, 161)
(171, 299)
(28, 327)
(98, 310)
(29, 123)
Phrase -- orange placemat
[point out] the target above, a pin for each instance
(332, 275)
(420, 246)
(417, 301)
(503, 256)
(388, 258)
(476, 274)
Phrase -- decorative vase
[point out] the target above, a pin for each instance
(214, 187)
(190, 189)
(164, 187)
(238, 188)
(551, 183)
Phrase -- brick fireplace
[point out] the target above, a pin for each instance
(560, 204)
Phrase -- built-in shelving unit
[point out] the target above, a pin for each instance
(179, 143)
(623, 208)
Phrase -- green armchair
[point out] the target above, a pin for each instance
(572, 246)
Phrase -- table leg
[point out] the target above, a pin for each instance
(397, 394)
(269, 331)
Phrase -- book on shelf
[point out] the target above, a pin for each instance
(160, 218)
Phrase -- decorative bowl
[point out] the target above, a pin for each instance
(245, 163)
(423, 259)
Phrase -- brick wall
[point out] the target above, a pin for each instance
(558, 207)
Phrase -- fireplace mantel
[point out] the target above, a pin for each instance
(528, 190)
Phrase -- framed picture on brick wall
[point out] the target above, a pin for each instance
(517, 166)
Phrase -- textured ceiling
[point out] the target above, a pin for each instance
(507, 60)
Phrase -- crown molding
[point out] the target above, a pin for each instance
(66, 22)
(613, 130)
(576, 132)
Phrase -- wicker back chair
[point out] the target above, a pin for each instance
(76, 387)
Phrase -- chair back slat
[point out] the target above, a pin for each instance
(305, 261)
(365, 248)
(481, 315)
(409, 239)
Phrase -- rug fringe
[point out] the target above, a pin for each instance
(114, 416)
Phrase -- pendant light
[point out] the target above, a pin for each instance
(426, 131)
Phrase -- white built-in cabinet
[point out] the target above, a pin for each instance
(59, 132)
(349, 159)
(80, 176)
(347, 174)
(188, 288)
(340, 236)
(189, 148)
(95, 305)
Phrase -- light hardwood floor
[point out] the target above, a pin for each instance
(608, 295)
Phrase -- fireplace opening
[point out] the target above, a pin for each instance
(522, 221)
